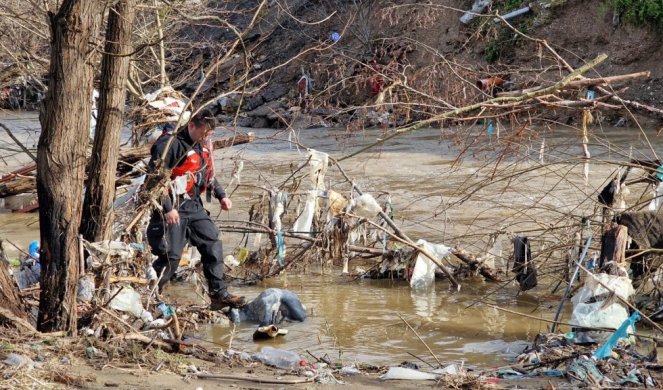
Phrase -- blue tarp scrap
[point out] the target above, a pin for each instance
(605, 350)
(585, 371)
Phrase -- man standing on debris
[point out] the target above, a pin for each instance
(183, 217)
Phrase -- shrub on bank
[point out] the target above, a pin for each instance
(641, 11)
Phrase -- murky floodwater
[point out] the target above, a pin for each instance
(436, 197)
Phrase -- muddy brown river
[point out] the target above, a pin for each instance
(508, 183)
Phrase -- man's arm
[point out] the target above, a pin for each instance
(220, 194)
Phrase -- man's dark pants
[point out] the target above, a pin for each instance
(168, 241)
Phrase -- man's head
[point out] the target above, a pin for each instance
(201, 125)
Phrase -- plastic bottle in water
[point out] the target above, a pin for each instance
(279, 358)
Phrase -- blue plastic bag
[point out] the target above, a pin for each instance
(605, 350)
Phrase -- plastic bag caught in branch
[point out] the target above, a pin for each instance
(365, 206)
(423, 274)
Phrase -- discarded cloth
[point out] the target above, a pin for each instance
(523, 265)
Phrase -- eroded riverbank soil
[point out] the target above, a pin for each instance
(426, 47)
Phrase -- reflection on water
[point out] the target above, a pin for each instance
(437, 198)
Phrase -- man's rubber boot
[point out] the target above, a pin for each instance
(226, 300)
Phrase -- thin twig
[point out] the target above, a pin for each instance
(420, 339)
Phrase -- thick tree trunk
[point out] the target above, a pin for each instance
(98, 214)
(61, 160)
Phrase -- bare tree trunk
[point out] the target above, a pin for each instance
(65, 123)
(613, 245)
(163, 80)
(8, 288)
(98, 215)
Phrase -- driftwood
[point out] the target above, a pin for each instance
(605, 94)
(22, 325)
(149, 341)
(16, 183)
(133, 155)
(585, 82)
(475, 263)
(613, 245)
(203, 375)
(22, 171)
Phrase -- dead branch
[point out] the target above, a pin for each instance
(474, 263)
(204, 375)
(602, 81)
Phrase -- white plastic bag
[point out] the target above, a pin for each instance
(318, 162)
(365, 206)
(601, 314)
(305, 219)
(423, 274)
(127, 300)
(407, 374)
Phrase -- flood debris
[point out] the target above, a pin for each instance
(595, 305)
(583, 362)
(271, 307)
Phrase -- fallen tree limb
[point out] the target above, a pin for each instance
(21, 171)
(7, 317)
(474, 263)
(148, 341)
(203, 375)
(130, 279)
(602, 81)
(635, 106)
(19, 143)
(18, 185)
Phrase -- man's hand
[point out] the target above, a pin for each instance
(226, 203)
(172, 217)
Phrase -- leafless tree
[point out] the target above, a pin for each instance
(61, 159)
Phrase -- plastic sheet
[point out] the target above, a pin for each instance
(305, 219)
(318, 162)
(599, 313)
(279, 202)
(655, 203)
(403, 373)
(621, 333)
(337, 203)
(423, 274)
(365, 206)
(85, 288)
(278, 358)
(112, 248)
(170, 106)
(28, 275)
(127, 300)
